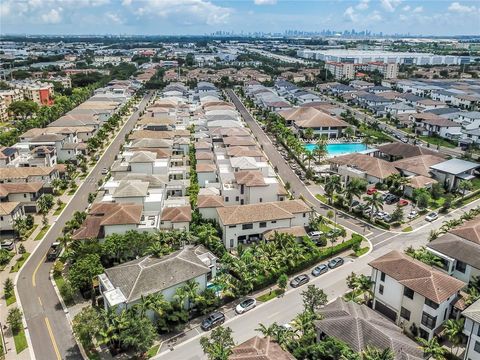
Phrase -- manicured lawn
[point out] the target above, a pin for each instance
(20, 262)
(11, 254)
(153, 351)
(20, 341)
(29, 232)
(59, 209)
(11, 299)
(476, 184)
(435, 204)
(437, 141)
(269, 296)
(362, 251)
(407, 229)
(378, 135)
(42, 233)
(322, 198)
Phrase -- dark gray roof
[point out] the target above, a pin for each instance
(473, 312)
(149, 275)
(442, 111)
(457, 248)
(455, 166)
(359, 327)
(410, 97)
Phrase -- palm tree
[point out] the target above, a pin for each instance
(432, 349)
(332, 185)
(453, 329)
(320, 150)
(372, 353)
(375, 201)
(355, 188)
(268, 330)
(433, 235)
(464, 186)
(309, 156)
(364, 284)
(349, 132)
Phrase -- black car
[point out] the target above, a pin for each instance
(392, 199)
(299, 280)
(336, 262)
(214, 319)
(319, 270)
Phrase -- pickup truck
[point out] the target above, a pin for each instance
(54, 251)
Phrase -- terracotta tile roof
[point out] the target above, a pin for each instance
(204, 155)
(419, 181)
(209, 201)
(258, 348)
(177, 214)
(239, 141)
(419, 165)
(371, 165)
(311, 117)
(143, 157)
(403, 150)
(124, 214)
(160, 153)
(359, 327)
(240, 214)
(17, 188)
(424, 280)
(232, 131)
(6, 208)
(236, 151)
(203, 145)
(151, 134)
(24, 172)
(469, 230)
(250, 178)
(204, 168)
(90, 229)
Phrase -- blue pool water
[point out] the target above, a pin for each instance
(340, 149)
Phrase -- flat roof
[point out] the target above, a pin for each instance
(455, 166)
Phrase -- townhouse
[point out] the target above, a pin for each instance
(416, 297)
(472, 330)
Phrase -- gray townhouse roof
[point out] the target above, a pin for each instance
(400, 106)
(359, 327)
(379, 88)
(410, 97)
(373, 98)
(442, 111)
(131, 189)
(149, 275)
(457, 248)
(473, 312)
(341, 88)
(471, 115)
(455, 166)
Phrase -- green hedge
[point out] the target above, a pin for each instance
(382, 224)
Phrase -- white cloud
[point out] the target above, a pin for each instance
(54, 16)
(418, 9)
(375, 16)
(114, 17)
(185, 11)
(350, 15)
(406, 8)
(265, 2)
(363, 5)
(459, 8)
(390, 5)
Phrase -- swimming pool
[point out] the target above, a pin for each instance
(340, 149)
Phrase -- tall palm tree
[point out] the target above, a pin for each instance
(364, 285)
(453, 329)
(332, 185)
(309, 156)
(432, 349)
(320, 150)
(354, 189)
(375, 201)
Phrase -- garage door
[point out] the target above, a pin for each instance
(389, 313)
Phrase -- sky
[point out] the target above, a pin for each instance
(198, 17)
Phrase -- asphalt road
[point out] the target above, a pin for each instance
(296, 185)
(50, 333)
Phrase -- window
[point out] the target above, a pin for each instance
(431, 304)
(231, 243)
(232, 226)
(460, 266)
(382, 276)
(404, 313)
(274, 221)
(24, 195)
(304, 215)
(428, 320)
(226, 198)
(247, 226)
(263, 224)
(260, 200)
(478, 331)
(477, 347)
(237, 198)
(408, 292)
(380, 289)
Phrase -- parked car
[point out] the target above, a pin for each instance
(402, 202)
(380, 215)
(104, 171)
(299, 280)
(8, 245)
(405, 140)
(431, 217)
(389, 200)
(315, 235)
(245, 305)
(371, 191)
(335, 262)
(355, 203)
(387, 218)
(413, 214)
(319, 270)
(212, 320)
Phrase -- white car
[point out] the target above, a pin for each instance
(431, 217)
(104, 171)
(245, 305)
(413, 214)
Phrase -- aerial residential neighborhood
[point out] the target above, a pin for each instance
(261, 180)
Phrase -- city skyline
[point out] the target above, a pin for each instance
(198, 17)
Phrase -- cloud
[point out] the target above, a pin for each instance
(418, 9)
(54, 16)
(265, 2)
(114, 17)
(375, 16)
(406, 8)
(390, 5)
(184, 11)
(350, 15)
(363, 5)
(459, 8)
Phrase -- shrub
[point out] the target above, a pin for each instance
(66, 291)
(382, 224)
(21, 249)
(396, 224)
(57, 268)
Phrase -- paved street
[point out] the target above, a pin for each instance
(47, 325)
(286, 173)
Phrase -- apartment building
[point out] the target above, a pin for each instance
(341, 70)
(472, 330)
(388, 70)
(39, 92)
